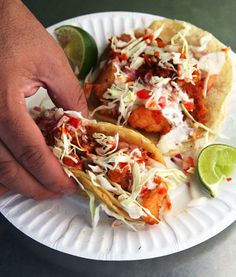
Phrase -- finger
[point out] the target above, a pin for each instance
(64, 88)
(26, 143)
(3, 190)
(13, 177)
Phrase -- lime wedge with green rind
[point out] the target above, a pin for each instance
(79, 47)
(215, 162)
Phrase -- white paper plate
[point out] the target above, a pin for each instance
(64, 224)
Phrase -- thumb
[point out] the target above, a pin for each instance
(64, 88)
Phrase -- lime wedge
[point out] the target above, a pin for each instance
(79, 47)
(215, 162)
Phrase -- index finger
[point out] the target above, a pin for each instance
(63, 87)
(26, 143)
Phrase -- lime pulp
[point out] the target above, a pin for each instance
(215, 162)
(79, 47)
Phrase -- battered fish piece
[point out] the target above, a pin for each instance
(105, 79)
(117, 166)
(170, 81)
(148, 120)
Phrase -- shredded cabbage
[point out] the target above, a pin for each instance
(110, 160)
(94, 211)
(70, 174)
(136, 63)
(106, 184)
(181, 36)
(198, 124)
(107, 142)
(93, 178)
(117, 216)
(131, 207)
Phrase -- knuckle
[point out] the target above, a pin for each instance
(35, 192)
(54, 185)
(78, 97)
(42, 195)
(39, 196)
(8, 172)
(32, 158)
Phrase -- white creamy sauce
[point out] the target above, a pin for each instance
(212, 62)
(151, 184)
(173, 139)
(203, 43)
(173, 114)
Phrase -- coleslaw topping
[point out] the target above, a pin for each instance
(173, 72)
(127, 171)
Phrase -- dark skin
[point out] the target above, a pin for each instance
(30, 58)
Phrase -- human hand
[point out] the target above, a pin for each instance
(30, 58)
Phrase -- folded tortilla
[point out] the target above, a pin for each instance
(216, 95)
(77, 143)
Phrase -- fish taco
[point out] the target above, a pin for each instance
(118, 168)
(169, 81)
